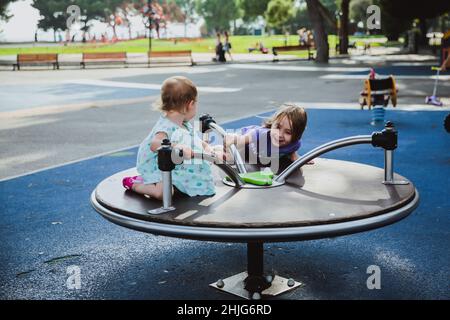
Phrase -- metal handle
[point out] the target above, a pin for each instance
(336, 144)
(234, 152)
(234, 176)
(386, 139)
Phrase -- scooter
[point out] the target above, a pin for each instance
(433, 99)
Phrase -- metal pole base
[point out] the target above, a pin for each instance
(253, 284)
(161, 210)
(395, 182)
(236, 285)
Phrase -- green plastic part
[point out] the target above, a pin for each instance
(259, 178)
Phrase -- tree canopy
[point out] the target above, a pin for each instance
(279, 12)
(4, 15)
(218, 13)
(253, 8)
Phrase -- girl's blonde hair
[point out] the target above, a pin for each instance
(176, 93)
(296, 116)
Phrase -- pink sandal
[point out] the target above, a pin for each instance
(128, 182)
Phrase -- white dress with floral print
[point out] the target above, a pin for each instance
(193, 177)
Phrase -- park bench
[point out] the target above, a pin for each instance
(103, 57)
(275, 50)
(36, 59)
(170, 57)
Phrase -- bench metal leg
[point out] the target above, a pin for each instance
(253, 284)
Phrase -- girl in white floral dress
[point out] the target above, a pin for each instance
(193, 177)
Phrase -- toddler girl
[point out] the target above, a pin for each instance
(178, 105)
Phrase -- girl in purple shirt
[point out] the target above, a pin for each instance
(276, 142)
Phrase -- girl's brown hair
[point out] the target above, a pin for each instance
(296, 116)
(176, 93)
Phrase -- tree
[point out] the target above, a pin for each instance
(358, 10)
(113, 14)
(188, 12)
(397, 16)
(320, 34)
(279, 12)
(172, 11)
(327, 10)
(217, 13)
(53, 15)
(299, 20)
(128, 11)
(3, 9)
(343, 30)
(253, 8)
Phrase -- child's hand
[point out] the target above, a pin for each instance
(230, 139)
(187, 152)
(223, 156)
(219, 152)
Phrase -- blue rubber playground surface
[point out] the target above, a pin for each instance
(48, 224)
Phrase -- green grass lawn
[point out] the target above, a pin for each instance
(240, 44)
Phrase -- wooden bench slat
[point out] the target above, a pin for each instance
(165, 56)
(291, 48)
(104, 55)
(180, 53)
(36, 58)
(275, 50)
(25, 57)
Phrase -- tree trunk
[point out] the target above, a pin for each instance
(343, 30)
(114, 30)
(320, 35)
(423, 32)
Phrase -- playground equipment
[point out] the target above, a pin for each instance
(328, 199)
(376, 95)
(433, 99)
